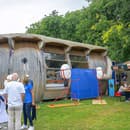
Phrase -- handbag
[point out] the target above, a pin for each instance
(34, 115)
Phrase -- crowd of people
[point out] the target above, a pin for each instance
(17, 98)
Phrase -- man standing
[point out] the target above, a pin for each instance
(14, 93)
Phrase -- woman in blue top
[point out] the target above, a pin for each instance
(28, 103)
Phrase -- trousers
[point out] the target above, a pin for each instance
(14, 114)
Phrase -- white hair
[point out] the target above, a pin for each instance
(9, 77)
(15, 76)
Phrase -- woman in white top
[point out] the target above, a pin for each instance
(123, 90)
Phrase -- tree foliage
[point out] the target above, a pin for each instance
(103, 22)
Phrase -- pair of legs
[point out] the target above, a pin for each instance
(14, 114)
(27, 113)
(126, 94)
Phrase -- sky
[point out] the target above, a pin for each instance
(16, 15)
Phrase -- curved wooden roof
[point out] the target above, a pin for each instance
(49, 40)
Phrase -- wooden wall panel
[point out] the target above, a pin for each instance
(4, 63)
(33, 67)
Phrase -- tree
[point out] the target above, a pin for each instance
(116, 38)
(104, 23)
(49, 26)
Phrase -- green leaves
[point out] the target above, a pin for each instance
(104, 23)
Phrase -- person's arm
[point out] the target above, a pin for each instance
(32, 91)
(5, 94)
(6, 97)
(22, 91)
(129, 86)
(123, 88)
(33, 97)
(22, 96)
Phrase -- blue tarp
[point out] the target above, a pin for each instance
(84, 83)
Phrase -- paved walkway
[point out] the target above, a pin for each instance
(3, 126)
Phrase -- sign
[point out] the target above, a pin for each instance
(65, 71)
(99, 72)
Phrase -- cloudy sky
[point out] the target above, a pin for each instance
(15, 15)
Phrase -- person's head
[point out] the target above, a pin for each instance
(27, 75)
(9, 77)
(25, 79)
(15, 76)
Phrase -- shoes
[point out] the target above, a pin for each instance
(23, 127)
(31, 128)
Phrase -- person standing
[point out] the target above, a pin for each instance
(14, 93)
(28, 102)
(3, 113)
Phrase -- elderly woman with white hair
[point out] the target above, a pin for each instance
(14, 93)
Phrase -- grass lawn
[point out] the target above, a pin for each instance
(115, 115)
